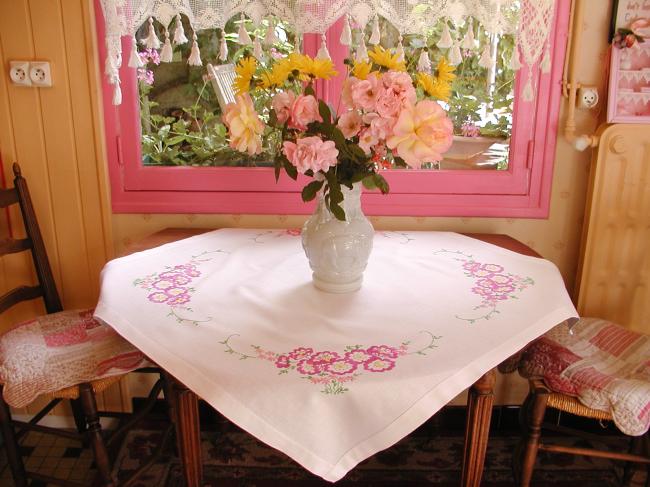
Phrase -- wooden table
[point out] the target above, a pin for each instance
(184, 402)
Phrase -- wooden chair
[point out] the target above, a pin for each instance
(92, 355)
(600, 362)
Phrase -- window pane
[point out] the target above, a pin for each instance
(482, 96)
(180, 112)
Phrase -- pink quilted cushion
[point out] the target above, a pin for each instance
(60, 350)
(606, 366)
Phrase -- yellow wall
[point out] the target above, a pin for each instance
(55, 133)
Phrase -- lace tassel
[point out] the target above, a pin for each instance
(362, 50)
(346, 33)
(469, 42)
(134, 59)
(455, 56)
(528, 89)
(244, 38)
(424, 63)
(151, 41)
(166, 53)
(117, 92)
(486, 59)
(257, 49)
(446, 40)
(515, 64)
(400, 49)
(375, 37)
(179, 32)
(223, 48)
(323, 53)
(546, 61)
(195, 53)
(270, 38)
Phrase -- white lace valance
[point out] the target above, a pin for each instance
(528, 20)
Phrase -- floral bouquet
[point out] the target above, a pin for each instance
(388, 117)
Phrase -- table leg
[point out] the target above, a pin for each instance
(184, 406)
(477, 428)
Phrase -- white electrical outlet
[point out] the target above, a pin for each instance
(19, 73)
(587, 97)
(40, 73)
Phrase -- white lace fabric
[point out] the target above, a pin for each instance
(529, 20)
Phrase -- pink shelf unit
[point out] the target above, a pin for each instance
(629, 85)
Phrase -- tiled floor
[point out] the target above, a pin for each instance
(49, 455)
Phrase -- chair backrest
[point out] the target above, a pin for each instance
(223, 78)
(46, 287)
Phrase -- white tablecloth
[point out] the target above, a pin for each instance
(330, 379)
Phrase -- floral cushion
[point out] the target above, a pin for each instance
(59, 350)
(603, 365)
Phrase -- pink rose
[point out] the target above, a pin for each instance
(346, 92)
(311, 153)
(304, 110)
(367, 140)
(350, 124)
(365, 93)
(422, 133)
(282, 105)
(389, 104)
(400, 84)
(382, 127)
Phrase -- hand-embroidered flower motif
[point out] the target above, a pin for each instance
(491, 283)
(331, 368)
(172, 286)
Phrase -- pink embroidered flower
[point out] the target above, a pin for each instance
(311, 153)
(168, 275)
(471, 266)
(281, 103)
(179, 299)
(301, 353)
(192, 272)
(294, 232)
(358, 356)
(304, 110)
(350, 124)
(181, 280)
(383, 351)
(494, 268)
(341, 367)
(163, 284)
(175, 291)
(324, 357)
(378, 364)
(282, 362)
(158, 297)
(365, 93)
(309, 368)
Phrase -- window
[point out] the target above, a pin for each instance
(185, 180)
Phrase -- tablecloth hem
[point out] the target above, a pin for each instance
(409, 420)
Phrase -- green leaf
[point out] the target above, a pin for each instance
(292, 171)
(337, 211)
(381, 183)
(369, 182)
(309, 90)
(309, 191)
(324, 112)
(176, 140)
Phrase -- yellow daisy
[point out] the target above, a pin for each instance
(383, 57)
(434, 87)
(322, 68)
(361, 70)
(277, 75)
(445, 71)
(245, 70)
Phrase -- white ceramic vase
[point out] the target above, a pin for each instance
(337, 250)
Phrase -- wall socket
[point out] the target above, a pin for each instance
(30, 73)
(19, 73)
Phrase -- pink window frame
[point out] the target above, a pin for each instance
(523, 190)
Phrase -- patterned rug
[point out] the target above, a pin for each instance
(236, 459)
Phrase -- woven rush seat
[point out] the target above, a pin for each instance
(603, 367)
(51, 354)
